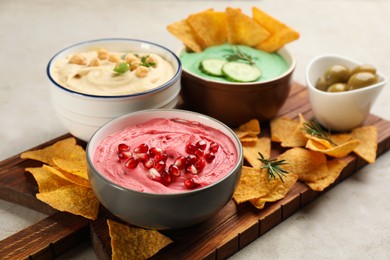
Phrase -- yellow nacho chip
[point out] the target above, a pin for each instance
(280, 33)
(249, 129)
(252, 150)
(278, 191)
(61, 149)
(335, 151)
(184, 32)
(46, 180)
(242, 29)
(335, 167)
(74, 199)
(368, 137)
(307, 164)
(253, 184)
(288, 132)
(68, 176)
(210, 26)
(133, 242)
(77, 167)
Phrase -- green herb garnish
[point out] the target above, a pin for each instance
(239, 55)
(147, 64)
(313, 128)
(274, 167)
(121, 68)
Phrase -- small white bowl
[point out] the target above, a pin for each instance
(82, 114)
(340, 111)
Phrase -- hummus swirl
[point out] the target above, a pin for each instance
(94, 75)
(171, 135)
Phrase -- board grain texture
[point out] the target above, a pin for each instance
(231, 229)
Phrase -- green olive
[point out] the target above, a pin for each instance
(321, 84)
(364, 68)
(361, 79)
(337, 87)
(336, 73)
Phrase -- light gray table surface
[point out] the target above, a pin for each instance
(351, 221)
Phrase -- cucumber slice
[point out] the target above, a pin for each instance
(241, 72)
(212, 67)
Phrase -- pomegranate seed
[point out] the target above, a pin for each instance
(180, 162)
(214, 147)
(142, 148)
(199, 153)
(159, 166)
(124, 155)
(190, 168)
(166, 178)
(190, 184)
(201, 144)
(154, 174)
(123, 147)
(161, 157)
(191, 159)
(190, 148)
(174, 170)
(142, 156)
(200, 164)
(131, 163)
(210, 156)
(149, 163)
(153, 151)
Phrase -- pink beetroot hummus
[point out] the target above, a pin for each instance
(175, 138)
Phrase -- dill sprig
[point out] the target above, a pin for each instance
(239, 55)
(314, 129)
(274, 167)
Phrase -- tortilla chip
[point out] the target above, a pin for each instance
(277, 192)
(251, 152)
(242, 29)
(46, 180)
(76, 167)
(287, 131)
(74, 199)
(134, 243)
(335, 167)
(68, 176)
(60, 149)
(253, 184)
(280, 33)
(184, 32)
(335, 151)
(368, 137)
(249, 129)
(210, 26)
(307, 164)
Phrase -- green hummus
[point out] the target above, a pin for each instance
(271, 65)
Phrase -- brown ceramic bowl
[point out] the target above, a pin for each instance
(236, 103)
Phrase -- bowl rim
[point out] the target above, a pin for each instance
(347, 59)
(279, 51)
(97, 174)
(174, 78)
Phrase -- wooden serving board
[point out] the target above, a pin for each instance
(231, 229)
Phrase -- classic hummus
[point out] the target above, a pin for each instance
(171, 137)
(271, 64)
(103, 73)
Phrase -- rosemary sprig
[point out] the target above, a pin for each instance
(239, 55)
(314, 129)
(273, 166)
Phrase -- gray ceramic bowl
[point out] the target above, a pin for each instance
(163, 211)
(236, 103)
